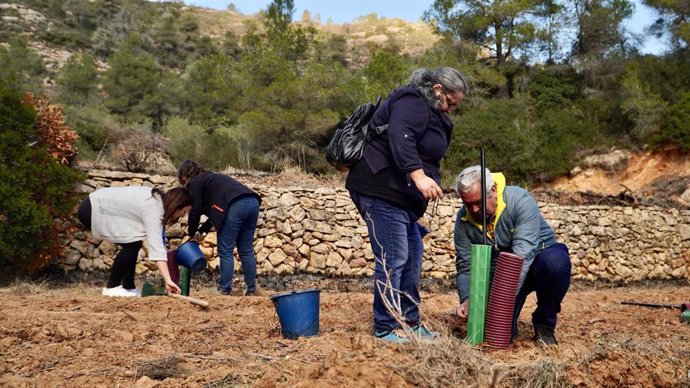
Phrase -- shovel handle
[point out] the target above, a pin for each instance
(195, 301)
(650, 304)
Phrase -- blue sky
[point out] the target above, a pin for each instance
(345, 11)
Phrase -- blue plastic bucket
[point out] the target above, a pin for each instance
(298, 312)
(189, 255)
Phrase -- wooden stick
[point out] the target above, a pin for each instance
(195, 301)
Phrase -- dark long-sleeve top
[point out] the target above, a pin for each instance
(211, 195)
(417, 137)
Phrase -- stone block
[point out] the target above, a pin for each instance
(85, 264)
(334, 259)
(344, 269)
(358, 262)
(317, 260)
(277, 257)
(304, 250)
(321, 248)
(72, 257)
(319, 215)
(262, 255)
(273, 242)
(288, 200)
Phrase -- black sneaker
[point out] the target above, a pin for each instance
(543, 335)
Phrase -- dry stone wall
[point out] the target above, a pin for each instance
(319, 231)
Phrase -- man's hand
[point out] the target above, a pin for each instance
(461, 311)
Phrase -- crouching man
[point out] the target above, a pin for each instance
(515, 225)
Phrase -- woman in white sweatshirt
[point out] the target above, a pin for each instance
(127, 216)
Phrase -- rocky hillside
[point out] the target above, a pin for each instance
(56, 31)
(411, 38)
(40, 26)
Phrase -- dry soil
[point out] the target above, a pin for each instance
(72, 336)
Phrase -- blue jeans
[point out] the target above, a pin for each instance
(549, 276)
(395, 237)
(238, 229)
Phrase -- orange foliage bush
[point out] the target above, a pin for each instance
(56, 197)
(58, 138)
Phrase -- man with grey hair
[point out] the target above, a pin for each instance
(515, 225)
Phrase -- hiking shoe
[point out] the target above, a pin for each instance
(423, 332)
(396, 336)
(117, 291)
(543, 335)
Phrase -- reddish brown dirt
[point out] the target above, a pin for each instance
(638, 176)
(72, 336)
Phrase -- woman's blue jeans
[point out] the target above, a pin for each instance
(238, 229)
(397, 244)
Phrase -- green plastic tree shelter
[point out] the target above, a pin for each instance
(185, 280)
(480, 266)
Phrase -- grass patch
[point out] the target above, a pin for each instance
(159, 369)
(27, 287)
(451, 362)
(228, 381)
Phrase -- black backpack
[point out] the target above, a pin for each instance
(348, 143)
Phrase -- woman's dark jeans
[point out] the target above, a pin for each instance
(238, 229)
(397, 244)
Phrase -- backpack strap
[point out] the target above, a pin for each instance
(379, 130)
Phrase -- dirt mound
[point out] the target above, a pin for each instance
(657, 178)
(72, 336)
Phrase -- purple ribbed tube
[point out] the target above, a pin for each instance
(172, 267)
(499, 314)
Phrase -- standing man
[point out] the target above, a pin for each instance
(515, 225)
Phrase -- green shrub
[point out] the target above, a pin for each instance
(34, 189)
(21, 68)
(555, 87)
(502, 128)
(675, 128)
(77, 82)
(561, 135)
(65, 38)
(526, 146)
(216, 149)
(93, 124)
